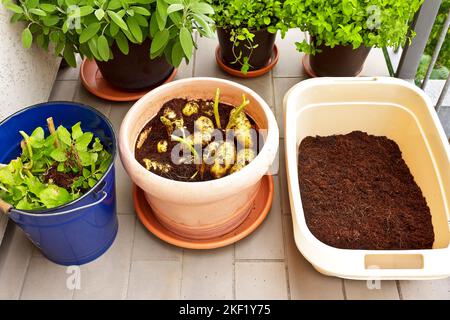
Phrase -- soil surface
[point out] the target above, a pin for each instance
(358, 193)
(148, 150)
(61, 179)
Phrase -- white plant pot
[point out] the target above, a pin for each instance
(199, 210)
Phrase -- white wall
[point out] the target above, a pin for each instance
(26, 75)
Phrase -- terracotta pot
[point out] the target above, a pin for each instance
(340, 61)
(199, 210)
(135, 71)
(260, 56)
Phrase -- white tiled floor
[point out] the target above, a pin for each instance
(266, 265)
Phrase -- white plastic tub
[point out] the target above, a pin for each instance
(380, 106)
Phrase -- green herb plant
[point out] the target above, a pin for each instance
(75, 156)
(91, 27)
(372, 23)
(242, 18)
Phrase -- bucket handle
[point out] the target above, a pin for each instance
(93, 204)
(6, 207)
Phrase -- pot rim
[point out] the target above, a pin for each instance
(266, 154)
(47, 212)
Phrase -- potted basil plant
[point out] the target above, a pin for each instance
(136, 43)
(246, 32)
(342, 32)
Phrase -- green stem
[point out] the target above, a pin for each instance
(216, 108)
(236, 113)
(191, 147)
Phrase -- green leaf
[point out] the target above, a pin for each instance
(114, 5)
(117, 19)
(27, 38)
(69, 56)
(177, 54)
(159, 41)
(97, 146)
(85, 158)
(161, 14)
(134, 28)
(113, 29)
(202, 7)
(103, 48)
(79, 12)
(175, 7)
(60, 167)
(54, 196)
(58, 155)
(186, 42)
(48, 7)
(83, 141)
(122, 43)
(38, 12)
(89, 32)
(92, 182)
(99, 14)
(13, 7)
(153, 25)
(141, 10)
(205, 27)
(76, 131)
(64, 135)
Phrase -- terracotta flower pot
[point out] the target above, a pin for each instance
(260, 56)
(136, 70)
(340, 61)
(199, 210)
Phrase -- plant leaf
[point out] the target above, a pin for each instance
(58, 155)
(122, 43)
(134, 28)
(27, 38)
(186, 42)
(76, 131)
(103, 48)
(117, 20)
(89, 32)
(159, 41)
(54, 196)
(64, 135)
(83, 141)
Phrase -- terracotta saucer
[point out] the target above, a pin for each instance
(250, 74)
(261, 208)
(94, 82)
(309, 70)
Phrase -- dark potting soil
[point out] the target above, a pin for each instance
(179, 172)
(358, 193)
(61, 179)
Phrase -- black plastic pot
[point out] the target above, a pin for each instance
(135, 71)
(260, 56)
(340, 61)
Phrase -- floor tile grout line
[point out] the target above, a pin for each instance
(252, 260)
(181, 274)
(344, 291)
(131, 258)
(234, 272)
(25, 276)
(286, 257)
(399, 290)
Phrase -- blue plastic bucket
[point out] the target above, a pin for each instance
(82, 230)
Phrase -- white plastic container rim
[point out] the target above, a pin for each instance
(357, 264)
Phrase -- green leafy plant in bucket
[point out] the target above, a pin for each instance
(91, 27)
(242, 18)
(53, 170)
(372, 23)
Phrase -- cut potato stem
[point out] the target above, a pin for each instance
(235, 115)
(216, 108)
